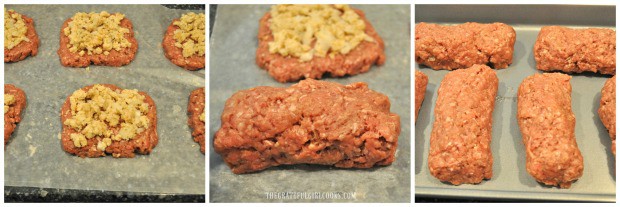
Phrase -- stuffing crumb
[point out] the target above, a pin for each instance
(191, 34)
(14, 29)
(107, 115)
(305, 31)
(8, 101)
(96, 33)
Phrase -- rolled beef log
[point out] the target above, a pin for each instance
(460, 144)
(312, 122)
(547, 126)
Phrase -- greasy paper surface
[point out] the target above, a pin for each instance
(34, 156)
(233, 50)
(510, 178)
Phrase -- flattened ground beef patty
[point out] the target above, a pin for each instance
(175, 54)
(607, 110)
(420, 90)
(142, 143)
(115, 58)
(196, 111)
(288, 69)
(576, 50)
(460, 144)
(547, 125)
(461, 46)
(25, 48)
(13, 114)
(312, 122)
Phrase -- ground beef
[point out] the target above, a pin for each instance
(115, 58)
(25, 48)
(461, 46)
(14, 115)
(195, 109)
(547, 125)
(288, 69)
(460, 144)
(420, 90)
(312, 122)
(576, 50)
(175, 54)
(142, 143)
(607, 111)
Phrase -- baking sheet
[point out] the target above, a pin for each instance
(510, 178)
(34, 156)
(233, 68)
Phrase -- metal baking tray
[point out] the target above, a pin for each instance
(510, 178)
(233, 68)
(34, 156)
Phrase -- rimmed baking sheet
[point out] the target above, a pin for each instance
(510, 179)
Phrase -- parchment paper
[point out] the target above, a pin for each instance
(233, 68)
(34, 156)
(510, 178)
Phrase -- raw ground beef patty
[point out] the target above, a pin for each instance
(460, 144)
(14, 114)
(288, 69)
(461, 46)
(142, 143)
(607, 110)
(312, 122)
(420, 90)
(547, 126)
(195, 109)
(576, 50)
(25, 48)
(115, 58)
(175, 54)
